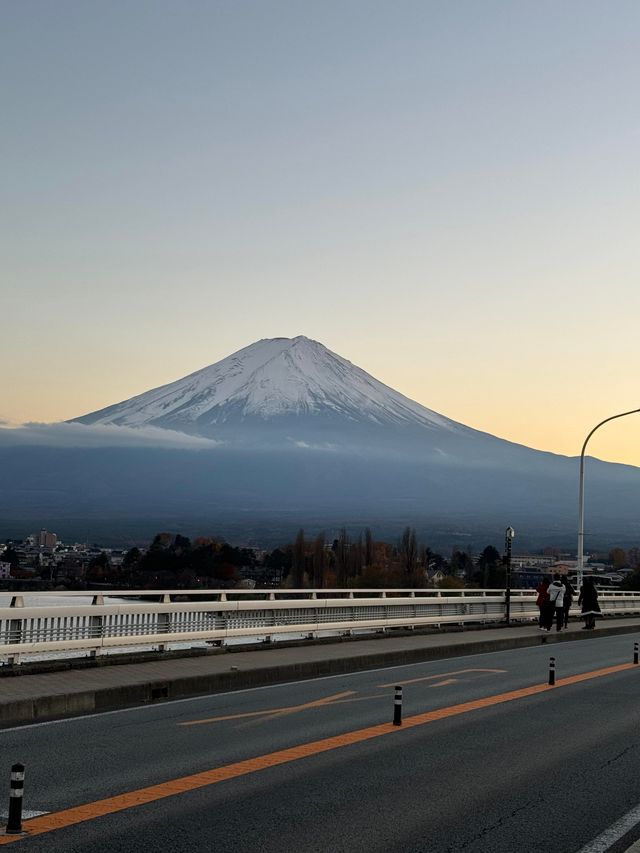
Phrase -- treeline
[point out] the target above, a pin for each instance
(173, 560)
(306, 562)
(364, 562)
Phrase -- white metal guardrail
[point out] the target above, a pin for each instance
(116, 620)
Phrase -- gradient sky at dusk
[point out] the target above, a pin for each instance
(445, 193)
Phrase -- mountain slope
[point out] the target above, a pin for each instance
(272, 379)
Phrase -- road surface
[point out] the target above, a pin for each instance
(489, 758)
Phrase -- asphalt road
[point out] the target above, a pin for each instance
(544, 772)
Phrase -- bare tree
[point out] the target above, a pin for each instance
(298, 564)
(319, 561)
(409, 553)
(368, 547)
(355, 559)
(341, 550)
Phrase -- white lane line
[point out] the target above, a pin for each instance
(608, 838)
(209, 696)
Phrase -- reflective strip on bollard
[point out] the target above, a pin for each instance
(397, 707)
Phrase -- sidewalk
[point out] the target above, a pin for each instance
(29, 698)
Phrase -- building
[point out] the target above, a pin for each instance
(531, 561)
(5, 570)
(44, 539)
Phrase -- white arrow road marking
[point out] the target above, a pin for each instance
(26, 814)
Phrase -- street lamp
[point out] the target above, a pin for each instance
(508, 539)
(579, 567)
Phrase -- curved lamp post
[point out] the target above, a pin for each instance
(581, 497)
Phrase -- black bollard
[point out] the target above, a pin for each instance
(14, 824)
(635, 653)
(552, 671)
(397, 707)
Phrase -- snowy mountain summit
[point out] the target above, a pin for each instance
(273, 381)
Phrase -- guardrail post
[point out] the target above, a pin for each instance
(14, 823)
(397, 707)
(635, 653)
(14, 634)
(95, 625)
(552, 671)
(15, 628)
(163, 626)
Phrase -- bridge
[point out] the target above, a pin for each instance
(127, 619)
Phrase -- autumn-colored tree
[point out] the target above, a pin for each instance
(160, 541)
(451, 582)
(204, 541)
(618, 558)
(374, 577)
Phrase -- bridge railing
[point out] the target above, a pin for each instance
(117, 620)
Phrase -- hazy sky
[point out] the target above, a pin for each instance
(446, 193)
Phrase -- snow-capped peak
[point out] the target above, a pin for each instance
(271, 379)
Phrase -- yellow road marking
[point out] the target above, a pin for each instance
(439, 675)
(445, 682)
(132, 799)
(273, 712)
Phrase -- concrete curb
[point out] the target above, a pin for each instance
(71, 704)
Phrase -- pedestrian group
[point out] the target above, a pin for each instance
(555, 598)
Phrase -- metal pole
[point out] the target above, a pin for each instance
(507, 543)
(579, 567)
(397, 707)
(508, 539)
(552, 671)
(635, 653)
(14, 824)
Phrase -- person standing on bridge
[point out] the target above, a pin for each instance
(556, 599)
(543, 604)
(588, 600)
(569, 593)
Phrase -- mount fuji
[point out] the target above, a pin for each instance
(280, 380)
(286, 433)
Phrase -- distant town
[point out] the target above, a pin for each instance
(42, 561)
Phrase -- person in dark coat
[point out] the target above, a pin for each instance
(556, 597)
(588, 600)
(569, 595)
(546, 611)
